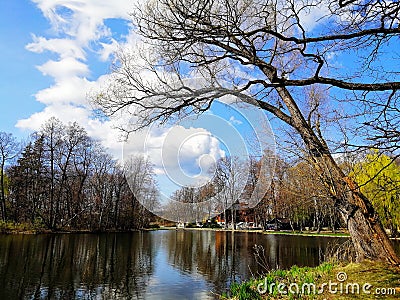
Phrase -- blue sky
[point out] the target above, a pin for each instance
(55, 52)
(19, 79)
(47, 47)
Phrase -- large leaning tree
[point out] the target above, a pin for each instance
(271, 53)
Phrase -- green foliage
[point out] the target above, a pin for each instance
(379, 274)
(38, 225)
(11, 227)
(26, 227)
(153, 226)
(379, 179)
(245, 291)
(6, 184)
(212, 224)
(297, 275)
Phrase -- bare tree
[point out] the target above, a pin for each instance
(139, 175)
(9, 149)
(52, 132)
(263, 53)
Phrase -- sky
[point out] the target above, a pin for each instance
(19, 77)
(52, 56)
(56, 52)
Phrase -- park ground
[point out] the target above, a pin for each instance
(332, 280)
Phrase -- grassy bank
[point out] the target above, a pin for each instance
(310, 233)
(303, 233)
(368, 280)
(9, 227)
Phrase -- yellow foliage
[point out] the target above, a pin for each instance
(378, 177)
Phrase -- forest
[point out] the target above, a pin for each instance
(61, 179)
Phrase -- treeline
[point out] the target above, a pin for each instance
(292, 193)
(63, 179)
(289, 192)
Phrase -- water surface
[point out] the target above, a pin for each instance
(167, 264)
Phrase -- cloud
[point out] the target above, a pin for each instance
(314, 15)
(64, 68)
(103, 131)
(107, 49)
(82, 20)
(181, 156)
(78, 24)
(72, 90)
(235, 121)
(78, 29)
(66, 113)
(64, 47)
(75, 27)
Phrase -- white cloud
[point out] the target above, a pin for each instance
(83, 20)
(78, 29)
(73, 90)
(314, 15)
(77, 24)
(64, 47)
(184, 156)
(64, 68)
(235, 121)
(102, 131)
(66, 113)
(108, 49)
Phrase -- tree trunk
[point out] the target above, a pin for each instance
(3, 194)
(367, 234)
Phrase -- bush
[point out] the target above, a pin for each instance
(245, 291)
(191, 225)
(11, 227)
(153, 226)
(212, 224)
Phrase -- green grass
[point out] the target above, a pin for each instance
(375, 276)
(9, 227)
(305, 233)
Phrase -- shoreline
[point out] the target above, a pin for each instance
(266, 232)
(339, 234)
(328, 234)
(329, 280)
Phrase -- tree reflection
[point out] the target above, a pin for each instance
(75, 266)
(138, 265)
(223, 256)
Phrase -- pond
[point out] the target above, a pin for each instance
(164, 264)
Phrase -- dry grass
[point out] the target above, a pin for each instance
(380, 276)
(375, 277)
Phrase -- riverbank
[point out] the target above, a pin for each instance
(323, 233)
(367, 280)
(25, 228)
(28, 228)
(296, 233)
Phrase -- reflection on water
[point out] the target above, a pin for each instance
(173, 264)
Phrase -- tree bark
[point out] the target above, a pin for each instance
(366, 231)
(3, 194)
